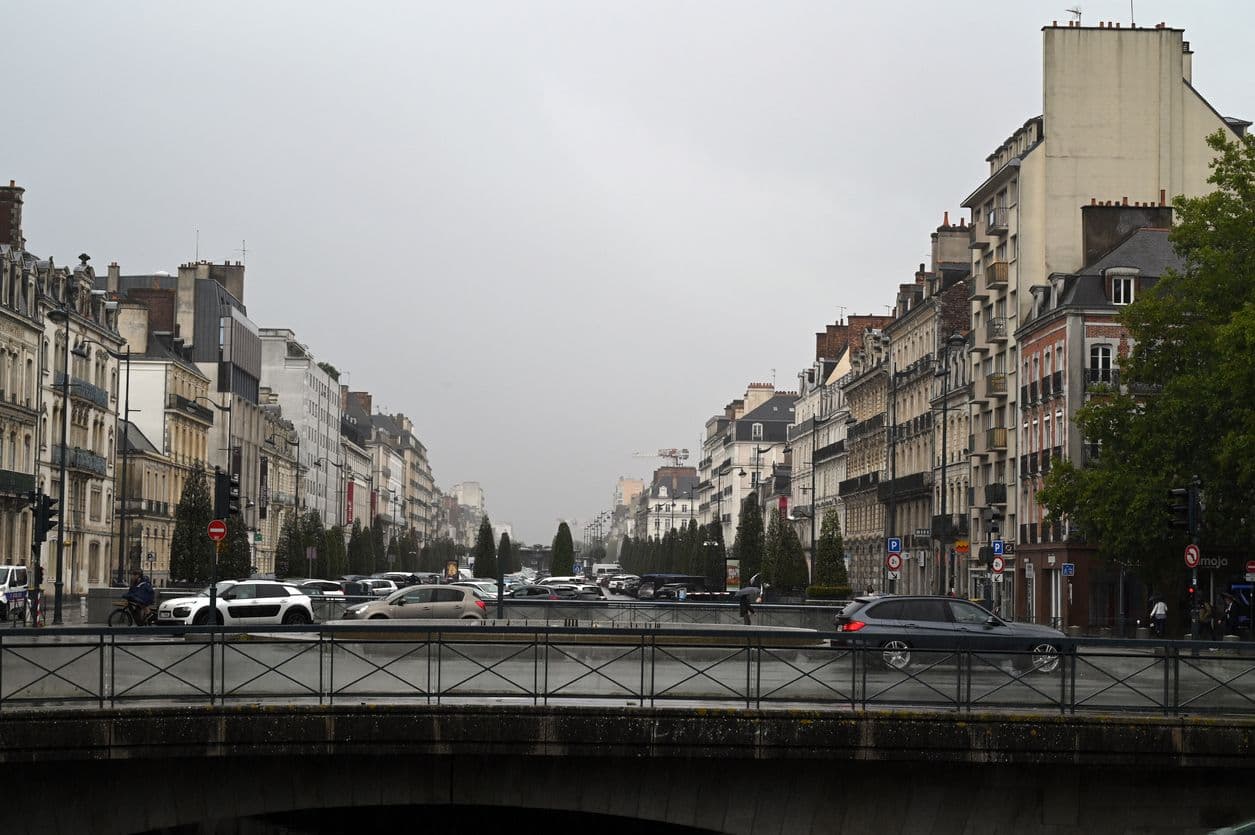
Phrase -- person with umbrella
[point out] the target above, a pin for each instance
(744, 597)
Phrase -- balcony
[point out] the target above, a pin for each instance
(83, 390)
(179, 403)
(949, 526)
(148, 507)
(80, 459)
(1056, 383)
(996, 438)
(830, 451)
(1045, 387)
(858, 484)
(865, 427)
(14, 483)
(996, 274)
(996, 329)
(996, 220)
(995, 494)
(1102, 380)
(905, 487)
(994, 385)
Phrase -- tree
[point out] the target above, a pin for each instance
(1191, 365)
(190, 547)
(313, 536)
(337, 562)
(772, 548)
(749, 538)
(505, 558)
(235, 553)
(361, 561)
(790, 560)
(378, 546)
(562, 561)
(485, 550)
(830, 553)
(290, 550)
(715, 556)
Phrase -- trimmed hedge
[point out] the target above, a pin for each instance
(818, 592)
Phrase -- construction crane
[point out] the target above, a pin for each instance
(677, 456)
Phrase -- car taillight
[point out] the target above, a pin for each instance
(480, 604)
(852, 626)
(553, 597)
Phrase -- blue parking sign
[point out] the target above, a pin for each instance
(895, 545)
(1069, 569)
(999, 548)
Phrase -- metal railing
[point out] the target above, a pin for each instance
(430, 662)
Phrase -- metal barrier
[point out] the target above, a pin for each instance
(437, 662)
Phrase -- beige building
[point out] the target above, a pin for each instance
(1120, 121)
(867, 395)
(279, 482)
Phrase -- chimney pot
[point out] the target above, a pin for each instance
(1126, 200)
(945, 219)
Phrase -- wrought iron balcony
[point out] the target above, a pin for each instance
(996, 329)
(13, 483)
(995, 494)
(80, 459)
(180, 403)
(1102, 379)
(950, 525)
(997, 219)
(83, 390)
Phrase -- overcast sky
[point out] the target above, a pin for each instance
(553, 233)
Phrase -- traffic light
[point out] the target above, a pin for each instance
(1179, 507)
(46, 516)
(226, 494)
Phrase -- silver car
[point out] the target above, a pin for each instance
(445, 602)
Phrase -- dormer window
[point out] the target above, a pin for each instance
(756, 432)
(1122, 289)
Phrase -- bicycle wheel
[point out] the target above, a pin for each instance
(121, 617)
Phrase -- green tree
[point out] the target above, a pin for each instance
(485, 551)
(505, 556)
(749, 538)
(830, 553)
(791, 574)
(1192, 365)
(772, 548)
(313, 535)
(361, 561)
(337, 562)
(190, 547)
(714, 555)
(290, 550)
(235, 554)
(378, 546)
(562, 561)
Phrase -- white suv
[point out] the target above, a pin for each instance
(240, 603)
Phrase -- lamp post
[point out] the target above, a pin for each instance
(953, 343)
(70, 293)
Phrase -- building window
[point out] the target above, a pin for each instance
(1122, 290)
(1100, 363)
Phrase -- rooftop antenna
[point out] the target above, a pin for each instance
(243, 250)
(841, 315)
(1132, 20)
(197, 244)
(773, 379)
(1076, 10)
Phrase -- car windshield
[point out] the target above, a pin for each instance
(223, 586)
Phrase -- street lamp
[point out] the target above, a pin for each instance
(955, 342)
(71, 291)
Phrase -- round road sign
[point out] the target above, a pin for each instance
(217, 530)
(893, 562)
(1191, 556)
(1250, 567)
(998, 564)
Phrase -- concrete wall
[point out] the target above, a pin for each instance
(778, 771)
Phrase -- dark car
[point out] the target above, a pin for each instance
(899, 624)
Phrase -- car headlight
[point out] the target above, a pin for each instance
(182, 611)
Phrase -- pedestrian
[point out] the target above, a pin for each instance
(951, 592)
(1229, 616)
(1207, 617)
(1159, 617)
(746, 609)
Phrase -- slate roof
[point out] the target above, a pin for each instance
(1148, 250)
(135, 440)
(779, 407)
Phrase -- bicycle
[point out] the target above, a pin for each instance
(127, 613)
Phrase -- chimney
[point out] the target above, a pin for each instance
(11, 215)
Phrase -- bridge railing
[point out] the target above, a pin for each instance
(702, 665)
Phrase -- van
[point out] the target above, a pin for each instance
(13, 590)
(605, 569)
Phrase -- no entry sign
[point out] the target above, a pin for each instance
(217, 530)
(1191, 556)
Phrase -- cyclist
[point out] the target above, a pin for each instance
(141, 594)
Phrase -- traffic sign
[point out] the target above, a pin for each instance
(997, 565)
(997, 578)
(895, 575)
(217, 530)
(895, 545)
(1250, 566)
(1069, 569)
(999, 547)
(1192, 556)
(893, 562)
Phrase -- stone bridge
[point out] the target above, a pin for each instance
(217, 769)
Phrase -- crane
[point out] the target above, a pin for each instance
(677, 456)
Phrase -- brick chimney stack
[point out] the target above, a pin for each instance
(11, 215)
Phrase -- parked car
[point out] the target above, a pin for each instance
(356, 588)
(899, 624)
(484, 589)
(618, 581)
(380, 587)
(533, 593)
(673, 591)
(560, 581)
(240, 603)
(328, 588)
(425, 601)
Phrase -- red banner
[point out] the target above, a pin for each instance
(348, 510)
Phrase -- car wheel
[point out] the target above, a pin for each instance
(1045, 658)
(378, 617)
(202, 618)
(296, 616)
(896, 654)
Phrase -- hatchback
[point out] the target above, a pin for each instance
(448, 602)
(899, 624)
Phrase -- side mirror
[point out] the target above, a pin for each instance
(993, 621)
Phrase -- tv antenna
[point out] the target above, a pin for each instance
(1076, 10)
(243, 250)
(841, 314)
